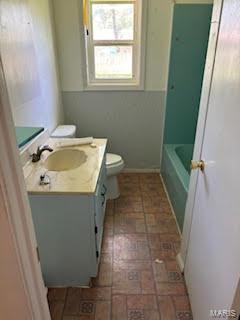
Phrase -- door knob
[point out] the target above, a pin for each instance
(197, 165)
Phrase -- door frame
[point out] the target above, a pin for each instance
(203, 110)
(18, 213)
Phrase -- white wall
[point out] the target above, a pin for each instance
(29, 62)
(132, 122)
(44, 36)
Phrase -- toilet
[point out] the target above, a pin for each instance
(115, 165)
(114, 162)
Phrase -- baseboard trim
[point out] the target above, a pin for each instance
(137, 170)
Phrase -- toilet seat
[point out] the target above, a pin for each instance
(114, 164)
(113, 159)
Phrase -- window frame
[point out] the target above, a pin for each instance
(138, 44)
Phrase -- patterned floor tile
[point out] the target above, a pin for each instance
(170, 288)
(87, 302)
(152, 189)
(110, 208)
(108, 225)
(159, 223)
(167, 270)
(168, 278)
(107, 244)
(92, 310)
(130, 189)
(57, 294)
(128, 204)
(87, 308)
(142, 307)
(151, 178)
(56, 309)
(136, 314)
(129, 223)
(135, 277)
(104, 277)
(138, 277)
(129, 178)
(103, 310)
(97, 293)
(73, 299)
(181, 303)
(119, 307)
(73, 318)
(184, 315)
(155, 204)
(144, 302)
(131, 247)
(163, 246)
(166, 307)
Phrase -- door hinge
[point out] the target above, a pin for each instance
(96, 230)
(38, 255)
(97, 254)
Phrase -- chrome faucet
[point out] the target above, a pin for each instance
(37, 156)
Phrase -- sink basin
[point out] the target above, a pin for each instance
(63, 160)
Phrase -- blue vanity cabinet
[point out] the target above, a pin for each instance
(69, 230)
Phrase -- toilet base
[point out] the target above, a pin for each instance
(113, 191)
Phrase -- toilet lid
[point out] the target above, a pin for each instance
(64, 131)
(113, 159)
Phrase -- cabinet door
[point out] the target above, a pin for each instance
(103, 183)
(100, 206)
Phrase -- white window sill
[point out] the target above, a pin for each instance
(113, 87)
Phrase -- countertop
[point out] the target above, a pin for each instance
(82, 180)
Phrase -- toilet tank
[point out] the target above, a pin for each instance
(64, 131)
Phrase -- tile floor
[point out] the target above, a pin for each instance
(131, 285)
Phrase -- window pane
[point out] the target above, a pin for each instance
(113, 62)
(113, 21)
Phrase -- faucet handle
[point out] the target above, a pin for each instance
(45, 147)
(44, 179)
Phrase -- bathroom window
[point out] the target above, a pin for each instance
(114, 44)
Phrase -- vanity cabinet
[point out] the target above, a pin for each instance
(100, 207)
(69, 231)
